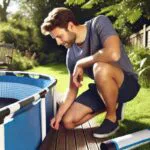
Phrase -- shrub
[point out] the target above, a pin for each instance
(20, 32)
(140, 58)
(21, 62)
(42, 58)
(56, 57)
(53, 57)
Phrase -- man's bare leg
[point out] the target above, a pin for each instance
(77, 115)
(86, 118)
(108, 80)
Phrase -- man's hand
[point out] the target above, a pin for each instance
(55, 122)
(78, 75)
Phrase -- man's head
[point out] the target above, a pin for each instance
(60, 24)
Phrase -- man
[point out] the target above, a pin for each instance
(93, 48)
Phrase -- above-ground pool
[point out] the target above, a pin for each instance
(26, 107)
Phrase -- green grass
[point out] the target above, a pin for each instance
(137, 111)
(60, 72)
(57, 71)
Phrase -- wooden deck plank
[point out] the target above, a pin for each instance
(70, 140)
(91, 141)
(61, 139)
(80, 139)
(49, 142)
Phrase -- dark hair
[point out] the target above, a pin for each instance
(58, 17)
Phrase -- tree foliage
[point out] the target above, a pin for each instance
(23, 28)
(126, 13)
(21, 32)
(37, 9)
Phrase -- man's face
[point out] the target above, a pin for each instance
(63, 37)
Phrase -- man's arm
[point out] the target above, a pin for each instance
(68, 100)
(109, 54)
(69, 97)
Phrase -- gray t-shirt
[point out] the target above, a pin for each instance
(98, 30)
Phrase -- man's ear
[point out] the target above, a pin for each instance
(71, 26)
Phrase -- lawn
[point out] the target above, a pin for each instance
(137, 111)
(61, 74)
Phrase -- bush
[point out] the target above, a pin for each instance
(56, 57)
(22, 33)
(53, 57)
(42, 58)
(21, 62)
(140, 58)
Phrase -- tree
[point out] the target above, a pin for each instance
(3, 10)
(37, 10)
(125, 13)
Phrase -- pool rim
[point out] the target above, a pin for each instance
(16, 106)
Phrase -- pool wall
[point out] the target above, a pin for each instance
(24, 124)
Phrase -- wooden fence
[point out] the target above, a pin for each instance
(142, 38)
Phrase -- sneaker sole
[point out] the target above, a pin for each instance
(105, 135)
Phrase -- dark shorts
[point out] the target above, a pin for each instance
(127, 92)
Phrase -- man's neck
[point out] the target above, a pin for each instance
(81, 34)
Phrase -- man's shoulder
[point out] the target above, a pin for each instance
(99, 18)
(98, 21)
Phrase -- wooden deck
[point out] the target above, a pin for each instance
(79, 138)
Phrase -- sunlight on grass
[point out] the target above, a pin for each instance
(60, 72)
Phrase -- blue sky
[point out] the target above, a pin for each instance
(13, 6)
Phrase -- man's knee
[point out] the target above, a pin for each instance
(68, 122)
(101, 71)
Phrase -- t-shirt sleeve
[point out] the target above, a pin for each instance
(104, 27)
